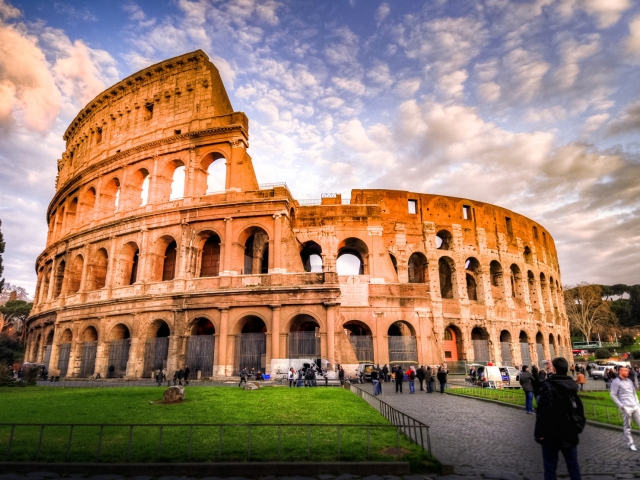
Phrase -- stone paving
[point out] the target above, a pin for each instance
(495, 441)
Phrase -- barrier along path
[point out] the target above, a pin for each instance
(483, 439)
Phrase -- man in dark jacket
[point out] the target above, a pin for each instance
(428, 378)
(399, 376)
(385, 373)
(420, 375)
(442, 377)
(559, 420)
(526, 381)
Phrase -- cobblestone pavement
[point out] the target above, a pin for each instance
(483, 438)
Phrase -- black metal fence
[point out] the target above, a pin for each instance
(204, 442)
(410, 426)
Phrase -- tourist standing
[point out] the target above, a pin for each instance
(186, 374)
(374, 381)
(399, 377)
(412, 379)
(385, 373)
(526, 381)
(442, 378)
(243, 376)
(420, 375)
(341, 376)
(573, 370)
(159, 377)
(291, 375)
(581, 380)
(623, 393)
(428, 378)
(559, 421)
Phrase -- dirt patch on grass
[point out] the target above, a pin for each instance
(395, 451)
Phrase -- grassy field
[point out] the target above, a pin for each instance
(203, 405)
(598, 406)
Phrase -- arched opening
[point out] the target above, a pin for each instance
(403, 347)
(59, 223)
(46, 279)
(540, 349)
(127, 272)
(36, 349)
(71, 214)
(446, 269)
(361, 340)
(528, 257)
(353, 257)
(544, 289)
(200, 345)
(517, 289)
(418, 268)
(533, 294)
(480, 340)
(57, 286)
(444, 240)
(497, 279)
(119, 344)
(210, 264)
(251, 345)
(256, 252)
(47, 349)
(304, 338)
(217, 176)
(552, 347)
(156, 349)
(505, 348)
(75, 274)
(452, 345)
(473, 276)
(552, 294)
(177, 182)
(138, 189)
(110, 197)
(64, 351)
(311, 256)
(97, 274)
(169, 263)
(89, 350)
(87, 205)
(525, 351)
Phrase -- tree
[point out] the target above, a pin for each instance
(634, 303)
(21, 293)
(15, 312)
(603, 353)
(586, 310)
(622, 309)
(1, 252)
(626, 340)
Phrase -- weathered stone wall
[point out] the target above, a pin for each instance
(124, 255)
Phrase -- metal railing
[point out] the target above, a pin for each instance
(199, 442)
(417, 431)
(269, 186)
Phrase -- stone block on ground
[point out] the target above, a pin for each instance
(173, 395)
(251, 386)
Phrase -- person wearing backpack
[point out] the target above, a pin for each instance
(559, 420)
(412, 380)
(623, 393)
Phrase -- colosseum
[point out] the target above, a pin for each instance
(164, 250)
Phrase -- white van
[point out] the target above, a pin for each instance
(281, 366)
(490, 377)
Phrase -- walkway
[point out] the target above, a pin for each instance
(478, 437)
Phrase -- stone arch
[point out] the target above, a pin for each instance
(473, 276)
(353, 256)
(215, 166)
(533, 293)
(481, 344)
(137, 189)
(444, 240)
(156, 350)
(64, 351)
(360, 339)
(75, 274)
(452, 344)
(304, 337)
(544, 290)
(46, 279)
(165, 259)
(59, 222)
(256, 251)
(110, 197)
(127, 265)
(209, 248)
(540, 348)
(90, 334)
(505, 348)
(517, 286)
(448, 283)
(202, 326)
(97, 270)
(552, 347)
(158, 329)
(497, 279)
(119, 332)
(59, 278)
(394, 263)
(87, 205)
(311, 256)
(403, 346)
(200, 348)
(89, 350)
(552, 293)
(527, 255)
(72, 210)
(418, 268)
(119, 345)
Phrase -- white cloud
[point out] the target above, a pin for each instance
(489, 92)
(382, 12)
(572, 52)
(408, 87)
(351, 85)
(627, 122)
(526, 70)
(545, 115)
(607, 12)
(452, 84)
(594, 122)
(632, 43)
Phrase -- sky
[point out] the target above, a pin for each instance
(533, 105)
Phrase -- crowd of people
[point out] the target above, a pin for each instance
(178, 376)
(426, 378)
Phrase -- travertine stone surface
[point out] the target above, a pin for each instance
(159, 232)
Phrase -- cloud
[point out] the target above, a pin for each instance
(74, 13)
(594, 122)
(632, 43)
(382, 12)
(607, 12)
(628, 122)
(572, 53)
(489, 92)
(8, 11)
(526, 70)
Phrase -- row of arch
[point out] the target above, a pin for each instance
(131, 190)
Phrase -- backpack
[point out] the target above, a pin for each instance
(574, 417)
(413, 375)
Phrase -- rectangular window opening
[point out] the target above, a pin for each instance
(413, 207)
(466, 212)
(177, 132)
(98, 135)
(148, 111)
(535, 233)
(509, 226)
(544, 238)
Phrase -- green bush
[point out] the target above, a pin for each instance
(591, 358)
(627, 340)
(603, 353)
(635, 354)
(579, 359)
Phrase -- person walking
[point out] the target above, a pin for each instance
(573, 370)
(385, 373)
(374, 381)
(243, 376)
(536, 380)
(442, 378)
(559, 421)
(428, 378)
(581, 380)
(159, 377)
(412, 379)
(186, 374)
(341, 376)
(526, 381)
(420, 375)
(291, 375)
(623, 393)
(399, 377)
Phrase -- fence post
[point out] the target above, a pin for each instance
(130, 440)
(309, 442)
(159, 443)
(398, 441)
(40, 442)
(338, 442)
(10, 441)
(190, 438)
(249, 443)
(99, 443)
(220, 444)
(368, 443)
(279, 429)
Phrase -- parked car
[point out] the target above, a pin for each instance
(510, 377)
(597, 372)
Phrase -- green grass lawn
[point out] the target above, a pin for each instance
(135, 405)
(598, 406)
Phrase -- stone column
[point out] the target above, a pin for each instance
(375, 234)
(331, 339)
(136, 356)
(222, 342)
(111, 265)
(172, 355)
(227, 246)
(275, 331)
(277, 244)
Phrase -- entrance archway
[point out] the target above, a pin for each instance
(64, 352)
(452, 344)
(89, 350)
(156, 349)
(505, 348)
(480, 340)
(304, 338)
(119, 344)
(540, 349)
(525, 352)
(200, 345)
(47, 350)
(552, 347)
(403, 347)
(251, 345)
(361, 340)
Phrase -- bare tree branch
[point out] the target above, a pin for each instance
(586, 310)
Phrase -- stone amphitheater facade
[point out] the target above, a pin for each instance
(163, 250)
